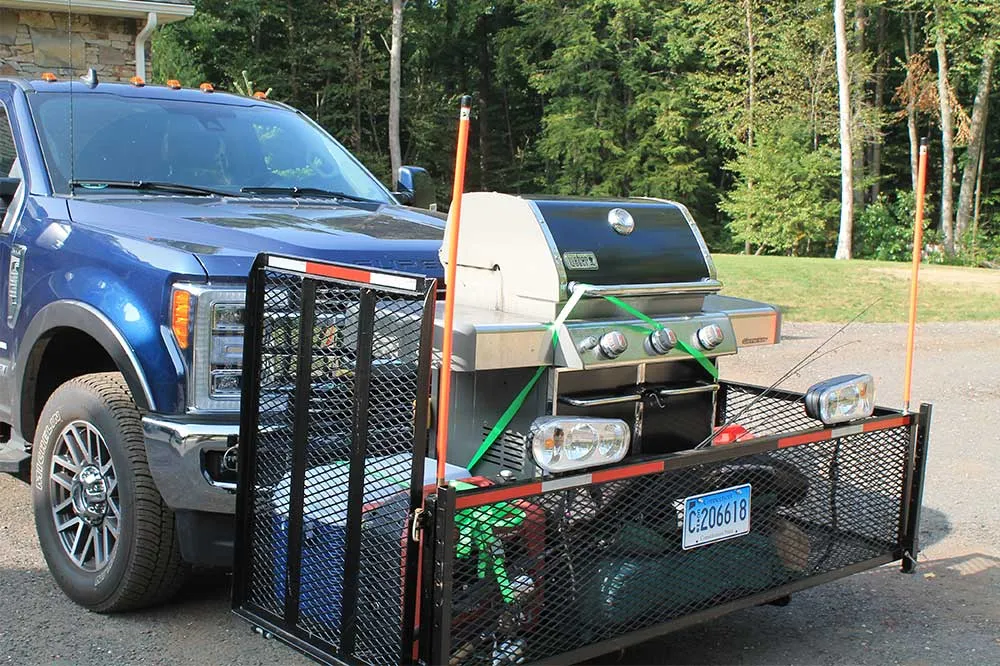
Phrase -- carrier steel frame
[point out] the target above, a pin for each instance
(348, 552)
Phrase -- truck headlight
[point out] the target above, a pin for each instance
(840, 399)
(215, 346)
(560, 444)
(226, 350)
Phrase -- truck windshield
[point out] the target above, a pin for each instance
(223, 147)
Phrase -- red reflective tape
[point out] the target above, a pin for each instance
(339, 272)
(889, 423)
(808, 438)
(617, 473)
(498, 495)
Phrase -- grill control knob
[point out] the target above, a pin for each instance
(661, 341)
(710, 337)
(613, 344)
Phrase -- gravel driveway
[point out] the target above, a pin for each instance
(948, 613)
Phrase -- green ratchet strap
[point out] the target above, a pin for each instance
(518, 401)
(509, 413)
(476, 528)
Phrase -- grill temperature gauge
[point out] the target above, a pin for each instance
(613, 344)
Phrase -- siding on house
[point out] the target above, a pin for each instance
(32, 42)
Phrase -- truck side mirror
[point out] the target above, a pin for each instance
(415, 187)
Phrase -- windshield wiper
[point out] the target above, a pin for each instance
(305, 192)
(151, 186)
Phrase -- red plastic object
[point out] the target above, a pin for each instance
(731, 434)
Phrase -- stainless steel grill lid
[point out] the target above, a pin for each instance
(625, 241)
(520, 258)
(522, 255)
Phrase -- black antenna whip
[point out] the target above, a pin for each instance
(809, 358)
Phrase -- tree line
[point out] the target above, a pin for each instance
(784, 125)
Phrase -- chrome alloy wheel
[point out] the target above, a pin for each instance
(84, 491)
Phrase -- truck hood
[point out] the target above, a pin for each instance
(226, 234)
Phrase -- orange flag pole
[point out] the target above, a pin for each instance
(918, 246)
(451, 239)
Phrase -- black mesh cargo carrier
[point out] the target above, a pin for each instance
(603, 485)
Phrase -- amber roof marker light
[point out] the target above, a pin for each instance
(174, 84)
(206, 87)
(49, 77)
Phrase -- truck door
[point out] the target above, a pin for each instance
(12, 201)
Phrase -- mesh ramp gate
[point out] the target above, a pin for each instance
(571, 568)
(332, 439)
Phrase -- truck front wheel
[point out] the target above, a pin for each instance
(107, 536)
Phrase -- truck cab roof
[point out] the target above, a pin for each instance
(146, 91)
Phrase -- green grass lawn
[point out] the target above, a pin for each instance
(809, 289)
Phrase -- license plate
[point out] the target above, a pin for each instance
(716, 516)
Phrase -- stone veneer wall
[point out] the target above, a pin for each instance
(32, 42)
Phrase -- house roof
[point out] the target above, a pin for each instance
(166, 10)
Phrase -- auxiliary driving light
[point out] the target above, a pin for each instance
(560, 444)
(840, 399)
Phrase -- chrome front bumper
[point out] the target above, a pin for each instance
(176, 454)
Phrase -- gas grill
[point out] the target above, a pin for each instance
(521, 259)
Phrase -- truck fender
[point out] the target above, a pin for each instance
(86, 319)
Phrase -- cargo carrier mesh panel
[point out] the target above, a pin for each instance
(774, 413)
(552, 567)
(332, 442)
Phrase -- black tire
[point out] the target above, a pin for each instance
(143, 566)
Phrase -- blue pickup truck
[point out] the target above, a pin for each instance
(131, 216)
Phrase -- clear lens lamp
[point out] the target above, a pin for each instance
(561, 444)
(226, 350)
(841, 399)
